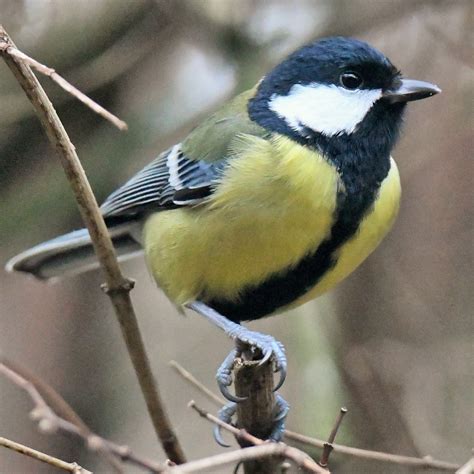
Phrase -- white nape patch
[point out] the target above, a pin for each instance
(327, 109)
(173, 168)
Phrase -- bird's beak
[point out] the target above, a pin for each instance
(408, 89)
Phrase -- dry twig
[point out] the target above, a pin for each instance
(46, 458)
(328, 446)
(467, 468)
(245, 454)
(282, 450)
(426, 462)
(49, 422)
(117, 286)
(218, 401)
(189, 377)
(9, 49)
(56, 402)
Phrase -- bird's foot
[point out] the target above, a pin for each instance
(259, 343)
(267, 345)
(224, 376)
(281, 411)
(278, 429)
(225, 414)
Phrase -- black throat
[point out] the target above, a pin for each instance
(362, 160)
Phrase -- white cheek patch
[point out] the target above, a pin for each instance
(327, 109)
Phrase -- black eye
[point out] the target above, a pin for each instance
(350, 80)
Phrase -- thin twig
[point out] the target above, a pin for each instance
(426, 462)
(194, 381)
(284, 451)
(57, 404)
(328, 446)
(117, 286)
(49, 422)
(246, 454)
(67, 86)
(43, 457)
(467, 468)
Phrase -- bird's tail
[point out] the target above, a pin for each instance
(72, 253)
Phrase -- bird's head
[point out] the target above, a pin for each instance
(335, 87)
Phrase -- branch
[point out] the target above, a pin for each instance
(117, 286)
(49, 421)
(467, 468)
(255, 414)
(46, 458)
(218, 401)
(263, 451)
(329, 445)
(9, 49)
(210, 395)
(426, 462)
(282, 450)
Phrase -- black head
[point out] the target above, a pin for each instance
(335, 88)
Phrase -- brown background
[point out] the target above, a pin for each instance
(393, 343)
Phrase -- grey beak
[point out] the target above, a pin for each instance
(409, 89)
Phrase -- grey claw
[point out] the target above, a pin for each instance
(279, 420)
(225, 414)
(266, 357)
(230, 396)
(224, 377)
(218, 437)
(283, 406)
(282, 378)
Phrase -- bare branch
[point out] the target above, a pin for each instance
(426, 462)
(246, 454)
(117, 286)
(218, 401)
(467, 468)
(283, 451)
(67, 86)
(328, 446)
(255, 414)
(189, 377)
(194, 381)
(50, 422)
(46, 458)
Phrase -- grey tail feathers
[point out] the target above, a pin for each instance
(72, 253)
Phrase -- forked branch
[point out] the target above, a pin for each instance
(427, 462)
(116, 286)
(55, 415)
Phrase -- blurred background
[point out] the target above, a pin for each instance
(393, 343)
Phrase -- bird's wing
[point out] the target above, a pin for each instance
(185, 174)
(170, 180)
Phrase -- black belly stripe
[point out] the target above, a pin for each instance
(285, 287)
(362, 175)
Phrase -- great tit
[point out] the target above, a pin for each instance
(270, 202)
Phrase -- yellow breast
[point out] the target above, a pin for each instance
(274, 205)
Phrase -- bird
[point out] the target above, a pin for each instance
(270, 202)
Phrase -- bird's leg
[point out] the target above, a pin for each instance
(266, 344)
